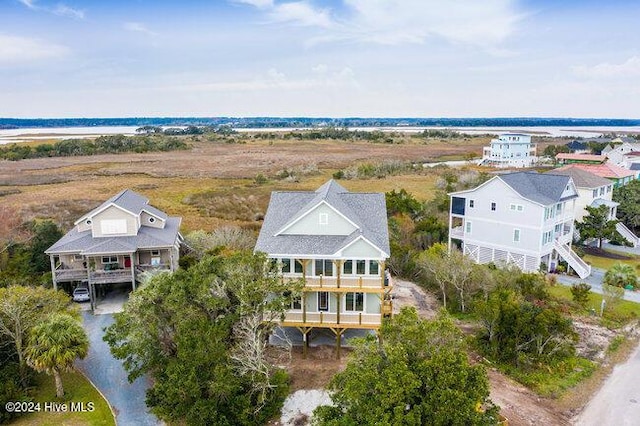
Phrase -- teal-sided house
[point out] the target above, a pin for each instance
(336, 241)
(115, 243)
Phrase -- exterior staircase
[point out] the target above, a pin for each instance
(582, 269)
(627, 234)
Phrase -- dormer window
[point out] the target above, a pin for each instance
(152, 220)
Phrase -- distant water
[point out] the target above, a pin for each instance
(569, 129)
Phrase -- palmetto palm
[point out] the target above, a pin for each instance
(54, 345)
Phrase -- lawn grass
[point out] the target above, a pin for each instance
(620, 314)
(77, 389)
(606, 262)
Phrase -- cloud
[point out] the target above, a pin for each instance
(630, 67)
(392, 22)
(60, 9)
(16, 50)
(64, 10)
(31, 4)
(138, 27)
(300, 13)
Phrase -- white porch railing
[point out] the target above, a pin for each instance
(332, 318)
(456, 232)
(627, 234)
(346, 281)
(573, 260)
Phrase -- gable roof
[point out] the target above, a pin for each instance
(129, 201)
(147, 238)
(367, 211)
(582, 178)
(605, 170)
(541, 188)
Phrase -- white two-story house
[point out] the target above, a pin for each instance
(523, 218)
(336, 241)
(115, 243)
(510, 150)
(595, 191)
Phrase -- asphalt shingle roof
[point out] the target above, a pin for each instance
(366, 210)
(130, 201)
(147, 238)
(541, 188)
(583, 178)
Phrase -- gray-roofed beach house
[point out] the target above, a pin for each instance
(115, 242)
(524, 218)
(336, 241)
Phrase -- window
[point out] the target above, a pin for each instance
(547, 237)
(286, 266)
(155, 252)
(519, 207)
(558, 228)
(467, 227)
(516, 235)
(109, 259)
(354, 302)
(360, 265)
(516, 207)
(113, 226)
(595, 193)
(602, 191)
(608, 189)
(493, 207)
(152, 219)
(296, 303)
(373, 267)
(323, 301)
(472, 203)
(323, 219)
(324, 267)
(297, 267)
(347, 267)
(558, 208)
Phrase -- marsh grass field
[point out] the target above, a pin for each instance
(223, 181)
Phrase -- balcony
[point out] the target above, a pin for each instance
(332, 319)
(457, 232)
(371, 283)
(152, 268)
(70, 274)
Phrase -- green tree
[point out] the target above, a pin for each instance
(21, 308)
(621, 275)
(596, 224)
(417, 374)
(45, 234)
(629, 209)
(204, 340)
(54, 345)
(519, 332)
(580, 293)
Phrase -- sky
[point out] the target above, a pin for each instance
(329, 58)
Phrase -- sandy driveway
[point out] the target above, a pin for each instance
(618, 401)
